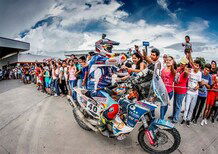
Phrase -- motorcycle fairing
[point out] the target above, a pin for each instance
(147, 105)
(134, 113)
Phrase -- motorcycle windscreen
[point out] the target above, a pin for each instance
(160, 90)
(109, 100)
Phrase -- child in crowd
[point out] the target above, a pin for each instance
(187, 44)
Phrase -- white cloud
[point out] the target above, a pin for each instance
(18, 15)
(57, 36)
(163, 4)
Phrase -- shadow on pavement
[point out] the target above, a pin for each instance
(6, 85)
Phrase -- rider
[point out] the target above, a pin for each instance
(101, 69)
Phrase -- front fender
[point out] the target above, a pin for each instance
(163, 124)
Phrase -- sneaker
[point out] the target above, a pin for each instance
(194, 121)
(205, 121)
(187, 123)
(174, 122)
(212, 121)
(183, 121)
(55, 95)
(202, 122)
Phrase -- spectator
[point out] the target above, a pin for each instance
(72, 56)
(187, 44)
(62, 82)
(82, 61)
(1, 74)
(40, 78)
(193, 85)
(19, 73)
(154, 58)
(180, 90)
(47, 80)
(72, 78)
(56, 78)
(139, 65)
(211, 99)
(213, 67)
(205, 84)
(168, 76)
(66, 78)
(164, 64)
(78, 73)
(137, 50)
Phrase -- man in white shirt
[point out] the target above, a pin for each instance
(192, 93)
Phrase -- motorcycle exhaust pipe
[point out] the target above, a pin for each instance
(93, 122)
(81, 116)
(88, 122)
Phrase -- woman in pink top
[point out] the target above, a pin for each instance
(168, 76)
(72, 78)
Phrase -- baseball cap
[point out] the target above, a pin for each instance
(184, 60)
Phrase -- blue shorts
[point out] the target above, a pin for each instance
(47, 85)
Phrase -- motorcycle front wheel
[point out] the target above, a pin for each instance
(166, 141)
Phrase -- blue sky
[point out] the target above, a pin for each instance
(57, 25)
(186, 11)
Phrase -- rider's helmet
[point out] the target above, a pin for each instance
(104, 46)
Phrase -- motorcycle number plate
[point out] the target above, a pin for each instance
(92, 108)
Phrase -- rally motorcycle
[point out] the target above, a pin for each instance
(154, 136)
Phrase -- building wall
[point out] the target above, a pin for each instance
(26, 57)
(8, 60)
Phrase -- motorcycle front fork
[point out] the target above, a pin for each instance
(149, 133)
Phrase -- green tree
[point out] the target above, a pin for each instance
(203, 62)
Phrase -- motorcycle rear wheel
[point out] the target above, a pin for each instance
(80, 122)
(152, 149)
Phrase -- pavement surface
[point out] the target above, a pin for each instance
(32, 122)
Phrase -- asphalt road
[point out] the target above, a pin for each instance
(32, 122)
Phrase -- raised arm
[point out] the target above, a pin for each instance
(145, 56)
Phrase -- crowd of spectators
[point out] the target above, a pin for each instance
(189, 83)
